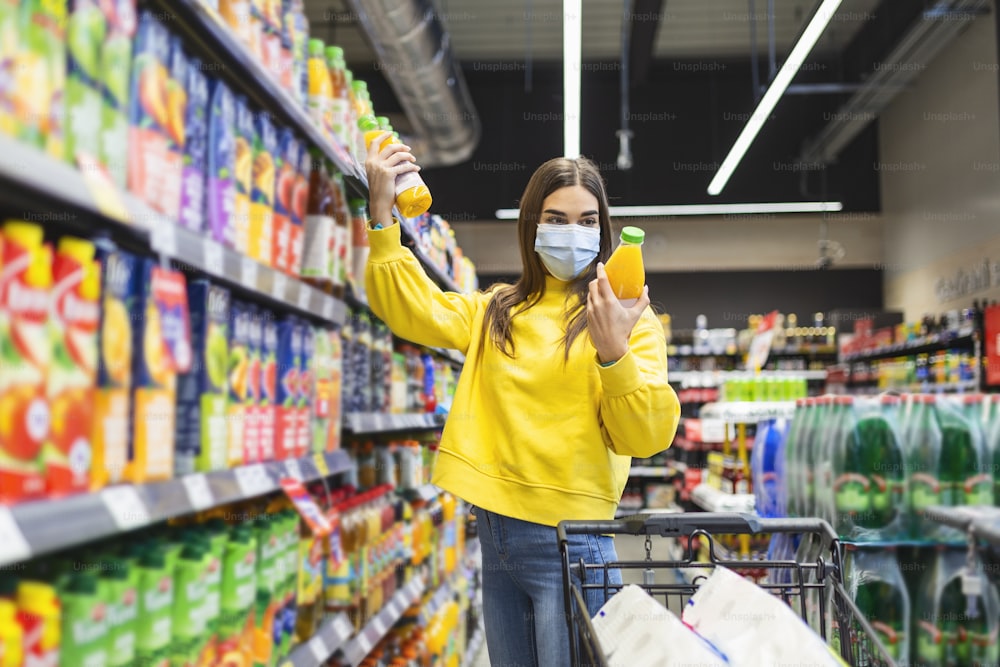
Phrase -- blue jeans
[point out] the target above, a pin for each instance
(523, 604)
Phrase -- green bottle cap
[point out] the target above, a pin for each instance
(368, 123)
(633, 235)
(359, 86)
(349, 78)
(316, 47)
(334, 53)
(383, 123)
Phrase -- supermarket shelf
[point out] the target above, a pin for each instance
(438, 599)
(649, 471)
(332, 635)
(747, 412)
(40, 527)
(475, 644)
(36, 178)
(425, 493)
(923, 387)
(799, 351)
(711, 499)
(717, 377)
(361, 645)
(371, 423)
(933, 343)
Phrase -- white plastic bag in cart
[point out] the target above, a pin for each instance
(752, 627)
(634, 630)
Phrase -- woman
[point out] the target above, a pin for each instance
(561, 386)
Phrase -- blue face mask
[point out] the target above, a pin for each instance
(567, 250)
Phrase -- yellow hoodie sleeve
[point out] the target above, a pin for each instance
(639, 408)
(402, 296)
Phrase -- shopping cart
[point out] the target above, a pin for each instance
(811, 588)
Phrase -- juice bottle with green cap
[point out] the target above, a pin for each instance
(120, 586)
(320, 89)
(339, 100)
(11, 636)
(412, 195)
(84, 622)
(154, 628)
(625, 269)
(39, 615)
(189, 626)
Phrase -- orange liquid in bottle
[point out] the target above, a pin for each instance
(625, 269)
(413, 197)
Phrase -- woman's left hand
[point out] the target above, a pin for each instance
(608, 321)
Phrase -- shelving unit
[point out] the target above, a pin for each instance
(716, 378)
(333, 634)
(963, 339)
(359, 646)
(42, 527)
(748, 412)
(711, 499)
(377, 423)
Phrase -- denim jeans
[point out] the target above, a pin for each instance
(523, 604)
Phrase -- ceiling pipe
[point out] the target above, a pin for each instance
(414, 54)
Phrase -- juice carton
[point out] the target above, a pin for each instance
(163, 349)
(26, 352)
(154, 627)
(221, 195)
(246, 139)
(258, 8)
(121, 584)
(288, 158)
(202, 443)
(336, 388)
(40, 617)
(287, 67)
(188, 619)
(10, 48)
(323, 377)
(253, 448)
(237, 14)
(307, 390)
(238, 451)
(157, 107)
(72, 377)
(11, 636)
(192, 206)
(271, 38)
(84, 622)
(85, 34)
(114, 84)
(300, 204)
(40, 75)
(113, 393)
(268, 398)
(289, 362)
(262, 194)
(239, 593)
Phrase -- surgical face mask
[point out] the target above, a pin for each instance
(567, 250)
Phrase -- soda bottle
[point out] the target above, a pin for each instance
(412, 195)
(625, 269)
(849, 484)
(887, 465)
(787, 481)
(991, 429)
(964, 453)
(923, 454)
(320, 96)
(882, 597)
(340, 111)
(818, 431)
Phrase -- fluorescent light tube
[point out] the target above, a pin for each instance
(572, 39)
(774, 92)
(707, 209)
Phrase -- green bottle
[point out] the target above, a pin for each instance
(883, 598)
(121, 582)
(217, 534)
(84, 622)
(924, 453)
(189, 627)
(966, 450)
(154, 628)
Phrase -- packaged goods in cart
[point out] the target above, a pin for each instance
(262, 193)
(238, 384)
(39, 84)
(195, 156)
(201, 438)
(287, 164)
(634, 629)
(115, 84)
(72, 376)
(750, 626)
(413, 197)
(220, 193)
(11, 635)
(246, 140)
(162, 347)
(86, 28)
(874, 580)
(25, 346)
(113, 395)
(268, 401)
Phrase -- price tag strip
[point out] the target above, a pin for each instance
(294, 469)
(13, 546)
(198, 491)
(214, 257)
(319, 649)
(253, 480)
(342, 626)
(279, 287)
(126, 508)
(328, 308)
(305, 296)
(248, 272)
(321, 465)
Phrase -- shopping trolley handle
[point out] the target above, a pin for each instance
(672, 525)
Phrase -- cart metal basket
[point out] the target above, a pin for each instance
(813, 589)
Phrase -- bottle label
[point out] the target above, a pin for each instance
(978, 490)
(930, 642)
(925, 491)
(891, 638)
(851, 491)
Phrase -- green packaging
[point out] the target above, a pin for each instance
(120, 581)
(239, 584)
(84, 621)
(85, 33)
(189, 629)
(114, 84)
(154, 627)
(217, 534)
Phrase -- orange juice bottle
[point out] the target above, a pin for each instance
(320, 89)
(624, 268)
(412, 195)
(339, 99)
(40, 617)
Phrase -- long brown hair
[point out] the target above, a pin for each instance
(553, 175)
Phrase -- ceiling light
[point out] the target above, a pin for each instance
(707, 209)
(572, 25)
(774, 92)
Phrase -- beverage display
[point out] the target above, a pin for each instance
(625, 269)
(875, 582)
(412, 195)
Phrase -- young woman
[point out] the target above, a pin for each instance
(561, 386)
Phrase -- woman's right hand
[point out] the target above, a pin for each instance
(383, 166)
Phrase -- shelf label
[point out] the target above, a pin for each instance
(279, 287)
(127, 509)
(305, 296)
(163, 238)
(377, 421)
(327, 308)
(13, 546)
(365, 644)
(248, 272)
(198, 491)
(253, 480)
(214, 257)
(319, 649)
(379, 625)
(320, 461)
(294, 469)
(342, 627)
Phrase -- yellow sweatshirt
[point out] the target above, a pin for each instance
(533, 437)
